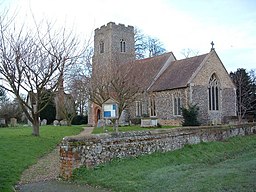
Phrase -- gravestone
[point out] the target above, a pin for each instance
(63, 123)
(2, 122)
(101, 123)
(56, 123)
(44, 122)
(13, 122)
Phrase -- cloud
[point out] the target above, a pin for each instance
(178, 24)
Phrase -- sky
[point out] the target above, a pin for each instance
(178, 24)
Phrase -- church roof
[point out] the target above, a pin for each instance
(145, 70)
(177, 74)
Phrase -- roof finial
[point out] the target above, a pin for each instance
(212, 46)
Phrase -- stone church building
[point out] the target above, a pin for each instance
(167, 84)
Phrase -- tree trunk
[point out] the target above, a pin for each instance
(116, 125)
(35, 127)
(69, 122)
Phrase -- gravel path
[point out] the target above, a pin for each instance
(47, 168)
(44, 174)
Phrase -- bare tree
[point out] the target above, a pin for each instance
(155, 47)
(78, 81)
(189, 52)
(124, 87)
(99, 87)
(146, 45)
(66, 107)
(32, 61)
(140, 44)
(79, 91)
(118, 83)
(9, 109)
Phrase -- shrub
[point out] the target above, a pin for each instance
(190, 116)
(159, 125)
(79, 120)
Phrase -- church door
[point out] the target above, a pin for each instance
(98, 115)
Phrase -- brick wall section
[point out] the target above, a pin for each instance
(96, 149)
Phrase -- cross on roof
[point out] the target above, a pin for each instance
(212, 46)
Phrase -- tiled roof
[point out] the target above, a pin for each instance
(145, 70)
(177, 74)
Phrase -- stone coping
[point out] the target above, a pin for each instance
(172, 131)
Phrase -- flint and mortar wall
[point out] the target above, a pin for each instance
(96, 149)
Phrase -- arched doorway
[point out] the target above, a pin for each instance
(97, 115)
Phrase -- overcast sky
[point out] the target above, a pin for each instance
(178, 24)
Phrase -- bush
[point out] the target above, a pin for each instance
(190, 116)
(136, 121)
(79, 120)
(159, 125)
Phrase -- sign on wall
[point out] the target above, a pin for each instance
(110, 110)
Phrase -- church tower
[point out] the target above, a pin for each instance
(113, 45)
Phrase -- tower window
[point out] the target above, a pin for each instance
(101, 47)
(213, 92)
(122, 45)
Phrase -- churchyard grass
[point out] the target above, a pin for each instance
(107, 129)
(216, 166)
(19, 149)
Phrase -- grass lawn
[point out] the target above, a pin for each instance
(19, 149)
(216, 166)
(98, 130)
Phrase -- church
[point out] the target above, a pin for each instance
(166, 84)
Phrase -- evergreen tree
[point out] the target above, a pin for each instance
(246, 95)
(49, 111)
(190, 116)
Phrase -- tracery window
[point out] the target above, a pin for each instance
(152, 107)
(213, 92)
(122, 45)
(177, 105)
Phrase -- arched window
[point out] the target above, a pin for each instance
(138, 111)
(122, 45)
(101, 47)
(213, 91)
(177, 104)
(152, 107)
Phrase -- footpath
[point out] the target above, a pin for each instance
(43, 176)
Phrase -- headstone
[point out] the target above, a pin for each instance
(124, 118)
(63, 123)
(101, 123)
(44, 122)
(13, 122)
(29, 123)
(56, 123)
(2, 122)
